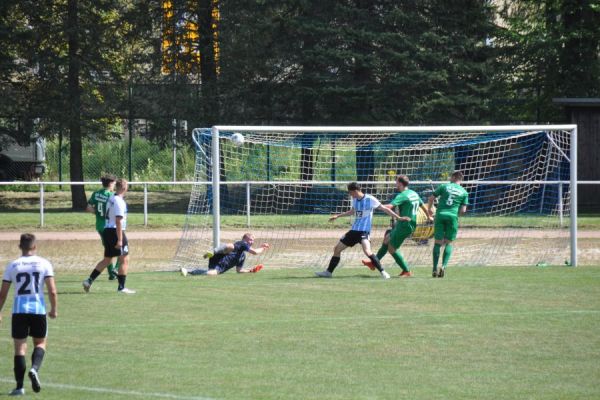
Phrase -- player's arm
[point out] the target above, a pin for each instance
(90, 208)
(259, 250)
(427, 211)
(3, 295)
(344, 214)
(391, 213)
(52, 295)
(462, 210)
(119, 223)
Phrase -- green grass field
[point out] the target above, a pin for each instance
(481, 333)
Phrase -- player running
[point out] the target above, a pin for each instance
(408, 203)
(453, 199)
(230, 255)
(97, 204)
(362, 208)
(115, 240)
(29, 273)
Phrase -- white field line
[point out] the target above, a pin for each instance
(114, 391)
(238, 322)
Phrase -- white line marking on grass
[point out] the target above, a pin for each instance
(115, 391)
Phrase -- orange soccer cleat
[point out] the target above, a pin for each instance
(257, 268)
(406, 274)
(369, 264)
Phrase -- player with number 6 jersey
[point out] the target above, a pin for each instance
(29, 273)
(453, 200)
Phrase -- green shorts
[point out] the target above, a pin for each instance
(101, 237)
(399, 234)
(445, 227)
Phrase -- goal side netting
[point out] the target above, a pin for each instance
(283, 184)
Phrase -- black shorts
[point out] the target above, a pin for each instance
(351, 238)
(110, 240)
(33, 325)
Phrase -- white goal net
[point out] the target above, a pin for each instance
(282, 184)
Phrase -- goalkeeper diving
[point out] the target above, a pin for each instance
(228, 256)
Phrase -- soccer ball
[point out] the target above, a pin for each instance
(237, 139)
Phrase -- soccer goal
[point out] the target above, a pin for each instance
(282, 183)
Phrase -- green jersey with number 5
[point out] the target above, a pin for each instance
(408, 203)
(451, 197)
(98, 200)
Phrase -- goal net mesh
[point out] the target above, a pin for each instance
(283, 186)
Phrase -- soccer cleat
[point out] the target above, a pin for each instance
(323, 274)
(368, 263)
(183, 271)
(434, 273)
(17, 392)
(257, 268)
(406, 274)
(35, 380)
(385, 275)
(86, 285)
(442, 272)
(208, 254)
(127, 291)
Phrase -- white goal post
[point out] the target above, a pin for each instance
(530, 172)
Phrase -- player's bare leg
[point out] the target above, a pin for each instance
(20, 365)
(366, 246)
(37, 357)
(333, 263)
(380, 253)
(122, 274)
(87, 283)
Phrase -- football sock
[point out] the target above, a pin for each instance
(19, 370)
(376, 262)
(95, 273)
(37, 357)
(382, 251)
(198, 272)
(111, 269)
(436, 255)
(400, 261)
(447, 254)
(121, 279)
(333, 263)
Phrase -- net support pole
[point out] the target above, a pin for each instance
(41, 205)
(248, 204)
(145, 204)
(216, 187)
(573, 173)
(560, 204)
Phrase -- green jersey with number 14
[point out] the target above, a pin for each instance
(98, 200)
(451, 197)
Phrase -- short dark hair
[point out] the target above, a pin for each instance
(457, 176)
(121, 183)
(27, 241)
(107, 180)
(403, 179)
(353, 186)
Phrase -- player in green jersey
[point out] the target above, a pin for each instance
(408, 203)
(97, 205)
(453, 200)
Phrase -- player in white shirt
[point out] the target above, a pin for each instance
(363, 206)
(29, 273)
(115, 240)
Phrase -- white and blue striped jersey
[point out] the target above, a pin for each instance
(116, 207)
(28, 273)
(363, 212)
